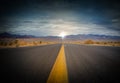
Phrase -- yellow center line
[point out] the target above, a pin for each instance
(59, 73)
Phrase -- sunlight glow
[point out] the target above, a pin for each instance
(62, 34)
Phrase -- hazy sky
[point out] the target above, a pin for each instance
(51, 17)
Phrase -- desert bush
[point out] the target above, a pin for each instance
(89, 42)
(1, 43)
(10, 43)
(97, 42)
(5, 44)
(16, 41)
(34, 43)
(105, 42)
(40, 42)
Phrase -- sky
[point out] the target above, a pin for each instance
(51, 17)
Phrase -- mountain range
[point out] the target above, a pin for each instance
(9, 35)
(73, 37)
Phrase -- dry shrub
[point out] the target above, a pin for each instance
(89, 41)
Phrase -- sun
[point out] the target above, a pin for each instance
(62, 34)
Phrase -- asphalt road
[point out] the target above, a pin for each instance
(93, 64)
(85, 64)
(28, 64)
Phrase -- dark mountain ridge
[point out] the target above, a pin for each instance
(73, 37)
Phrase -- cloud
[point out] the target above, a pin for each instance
(56, 22)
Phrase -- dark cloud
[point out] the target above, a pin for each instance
(42, 13)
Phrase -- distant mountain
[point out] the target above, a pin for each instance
(94, 37)
(69, 37)
(9, 35)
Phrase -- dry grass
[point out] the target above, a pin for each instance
(37, 42)
(22, 42)
(99, 43)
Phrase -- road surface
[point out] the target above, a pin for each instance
(29, 64)
(83, 64)
(93, 64)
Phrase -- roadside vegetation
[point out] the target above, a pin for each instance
(104, 43)
(98, 42)
(22, 42)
